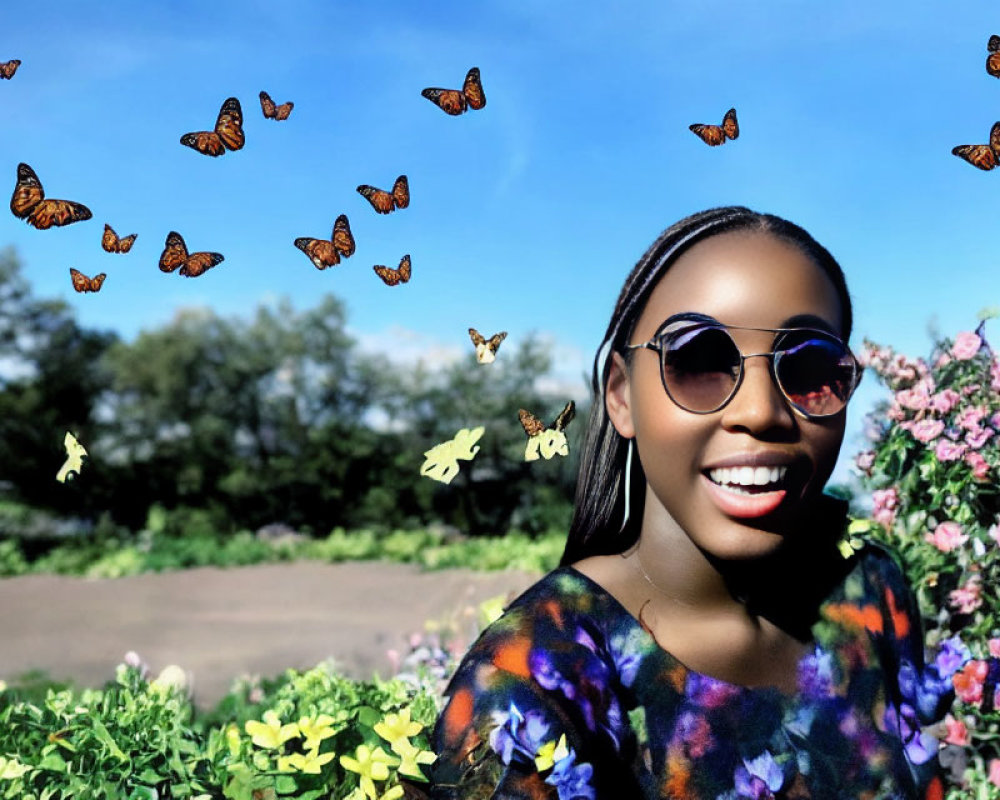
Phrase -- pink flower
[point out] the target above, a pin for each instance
(942, 359)
(958, 731)
(966, 598)
(948, 451)
(966, 345)
(969, 682)
(995, 771)
(865, 460)
(884, 505)
(969, 418)
(994, 645)
(947, 536)
(977, 437)
(995, 374)
(971, 389)
(995, 419)
(927, 430)
(980, 469)
(945, 400)
(913, 398)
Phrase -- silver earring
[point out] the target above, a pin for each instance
(627, 483)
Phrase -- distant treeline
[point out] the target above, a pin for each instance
(278, 418)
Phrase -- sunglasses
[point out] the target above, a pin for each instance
(702, 367)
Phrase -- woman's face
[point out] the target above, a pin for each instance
(747, 279)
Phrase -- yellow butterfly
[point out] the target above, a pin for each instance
(75, 454)
(486, 349)
(442, 460)
(543, 441)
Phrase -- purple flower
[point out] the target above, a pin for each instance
(920, 747)
(709, 692)
(571, 780)
(759, 778)
(816, 674)
(928, 692)
(519, 734)
(951, 656)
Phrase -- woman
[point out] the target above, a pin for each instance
(704, 636)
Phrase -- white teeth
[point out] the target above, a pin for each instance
(748, 476)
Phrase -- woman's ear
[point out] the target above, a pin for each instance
(617, 397)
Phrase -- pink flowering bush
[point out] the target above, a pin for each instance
(934, 469)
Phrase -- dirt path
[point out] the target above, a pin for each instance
(220, 623)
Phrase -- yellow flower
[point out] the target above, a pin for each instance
(271, 734)
(371, 765)
(397, 726)
(311, 762)
(12, 768)
(411, 759)
(551, 752)
(233, 739)
(316, 730)
(391, 794)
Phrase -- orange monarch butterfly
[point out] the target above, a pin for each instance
(984, 156)
(8, 68)
(28, 202)
(272, 111)
(228, 132)
(84, 284)
(325, 253)
(393, 277)
(993, 59)
(175, 254)
(454, 101)
(382, 201)
(546, 441)
(486, 349)
(111, 242)
(715, 135)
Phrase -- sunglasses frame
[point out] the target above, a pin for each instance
(660, 338)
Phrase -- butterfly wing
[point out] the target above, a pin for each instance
(229, 125)
(450, 101)
(380, 199)
(282, 111)
(8, 68)
(267, 106)
(199, 263)
(322, 253)
(552, 443)
(75, 453)
(343, 239)
(993, 64)
(440, 462)
(208, 143)
(477, 337)
(174, 254)
(979, 155)
(401, 192)
(532, 425)
(730, 127)
(465, 446)
(712, 135)
(57, 213)
(404, 269)
(495, 340)
(565, 417)
(28, 192)
(473, 89)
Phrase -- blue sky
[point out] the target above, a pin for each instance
(527, 215)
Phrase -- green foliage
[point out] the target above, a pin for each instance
(301, 737)
(160, 552)
(934, 468)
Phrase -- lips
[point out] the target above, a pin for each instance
(751, 484)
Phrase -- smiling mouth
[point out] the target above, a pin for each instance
(749, 480)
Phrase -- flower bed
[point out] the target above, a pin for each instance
(933, 468)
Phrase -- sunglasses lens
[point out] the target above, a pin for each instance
(817, 375)
(700, 368)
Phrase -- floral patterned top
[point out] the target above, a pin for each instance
(567, 696)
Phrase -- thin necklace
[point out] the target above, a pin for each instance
(650, 581)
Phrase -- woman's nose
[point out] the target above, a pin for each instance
(758, 404)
